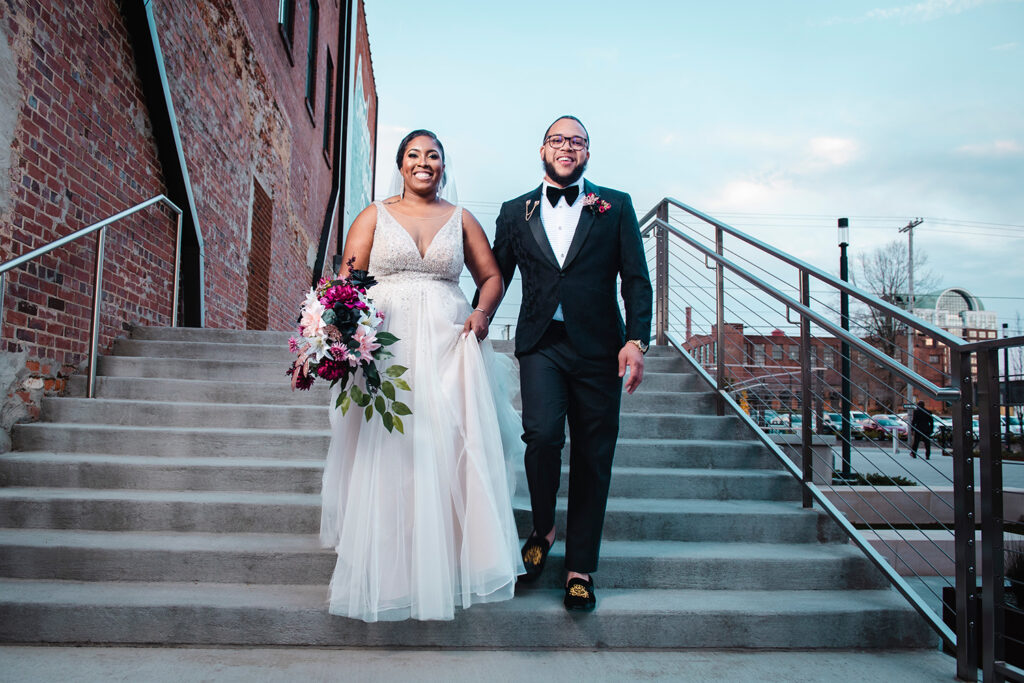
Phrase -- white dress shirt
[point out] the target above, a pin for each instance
(559, 223)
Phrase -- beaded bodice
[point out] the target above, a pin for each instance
(395, 257)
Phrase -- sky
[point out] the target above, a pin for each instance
(774, 117)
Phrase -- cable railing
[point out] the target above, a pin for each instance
(832, 391)
(97, 292)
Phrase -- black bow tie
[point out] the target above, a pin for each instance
(570, 193)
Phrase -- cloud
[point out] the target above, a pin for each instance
(996, 148)
(1004, 47)
(926, 10)
(826, 151)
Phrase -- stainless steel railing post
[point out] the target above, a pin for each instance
(661, 277)
(805, 391)
(97, 298)
(720, 322)
(991, 486)
(177, 273)
(964, 519)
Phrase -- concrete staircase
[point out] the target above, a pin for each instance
(181, 506)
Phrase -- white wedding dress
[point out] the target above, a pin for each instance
(422, 522)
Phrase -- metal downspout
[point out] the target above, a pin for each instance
(341, 98)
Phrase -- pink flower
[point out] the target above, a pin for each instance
(312, 322)
(293, 345)
(367, 341)
(595, 204)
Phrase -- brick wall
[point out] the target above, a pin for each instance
(80, 152)
(81, 149)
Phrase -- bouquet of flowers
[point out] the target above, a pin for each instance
(338, 336)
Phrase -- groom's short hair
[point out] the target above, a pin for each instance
(565, 116)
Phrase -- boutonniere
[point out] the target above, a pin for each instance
(530, 209)
(595, 204)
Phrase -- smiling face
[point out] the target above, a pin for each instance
(563, 165)
(422, 166)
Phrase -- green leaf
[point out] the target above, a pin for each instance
(389, 390)
(402, 384)
(387, 419)
(398, 424)
(395, 371)
(368, 413)
(357, 395)
(372, 376)
(344, 402)
(380, 405)
(386, 338)
(400, 408)
(329, 317)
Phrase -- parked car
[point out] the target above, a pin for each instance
(885, 426)
(1014, 424)
(834, 421)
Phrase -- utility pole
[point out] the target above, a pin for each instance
(909, 229)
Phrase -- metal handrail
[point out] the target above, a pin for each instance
(943, 393)
(828, 506)
(98, 279)
(821, 275)
(960, 395)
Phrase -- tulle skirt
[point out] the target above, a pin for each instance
(422, 521)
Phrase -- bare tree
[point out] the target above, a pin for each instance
(884, 272)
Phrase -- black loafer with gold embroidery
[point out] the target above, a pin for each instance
(579, 595)
(535, 554)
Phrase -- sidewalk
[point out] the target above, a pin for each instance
(287, 664)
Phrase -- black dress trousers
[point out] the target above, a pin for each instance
(559, 384)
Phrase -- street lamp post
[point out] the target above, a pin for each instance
(844, 317)
(1006, 383)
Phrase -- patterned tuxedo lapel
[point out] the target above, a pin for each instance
(586, 222)
(532, 209)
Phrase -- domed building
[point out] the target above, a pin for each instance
(958, 311)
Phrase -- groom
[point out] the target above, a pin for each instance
(571, 239)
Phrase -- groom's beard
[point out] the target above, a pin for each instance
(564, 180)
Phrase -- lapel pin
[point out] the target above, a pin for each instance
(531, 209)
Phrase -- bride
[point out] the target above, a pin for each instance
(422, 521)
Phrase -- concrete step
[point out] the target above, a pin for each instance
(707, 484)
(170, 441)
(99, 471)
(298, 559)
(263, 431)
(246, 371)
(101, 411)
(236, 614)
(279, 353)
(298, 513)
(280, 338)
(276, 393)
(301, 444)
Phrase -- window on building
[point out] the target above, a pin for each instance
(794, 352)
(933, 359)
(260, 253)
(312, 47)
(286, 25)
(328, 106)
(777, 353)
(830, 356)
(758, 354)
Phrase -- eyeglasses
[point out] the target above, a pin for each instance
(557, 141)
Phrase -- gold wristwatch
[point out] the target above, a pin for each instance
(639, 344)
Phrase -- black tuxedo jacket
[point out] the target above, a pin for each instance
(605, 245)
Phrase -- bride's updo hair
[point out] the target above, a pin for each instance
(409, 138)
